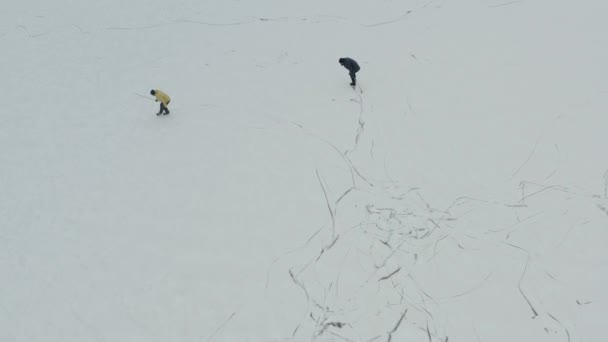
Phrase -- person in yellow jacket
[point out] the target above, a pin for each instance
(164, 100)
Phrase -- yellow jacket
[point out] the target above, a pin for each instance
(162, 97)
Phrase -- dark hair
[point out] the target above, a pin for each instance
(152, 92)
(341, 60)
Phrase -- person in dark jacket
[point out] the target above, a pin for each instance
(352, 67)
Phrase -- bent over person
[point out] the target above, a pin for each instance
(352, 67)
(164, 100)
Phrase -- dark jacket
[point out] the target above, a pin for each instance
(349, 64)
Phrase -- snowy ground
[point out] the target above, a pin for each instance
(460, 193)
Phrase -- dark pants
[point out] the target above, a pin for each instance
(163, 108)
(353, 77)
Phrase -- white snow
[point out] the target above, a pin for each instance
(466, 186)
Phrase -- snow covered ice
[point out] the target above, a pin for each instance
(463, 196)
